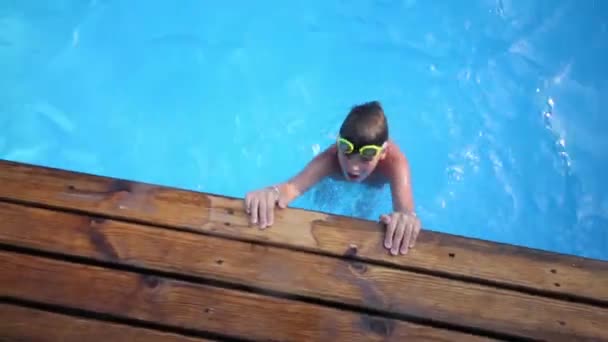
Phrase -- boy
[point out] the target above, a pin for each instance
(362, 148)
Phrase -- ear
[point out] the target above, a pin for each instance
(383, 153)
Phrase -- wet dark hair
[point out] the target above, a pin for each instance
(365, 124)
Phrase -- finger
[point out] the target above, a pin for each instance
(255, 203)
(271, 201)
(282, 201)
(390, 232)
(397, 239)
(405, 244)
(415, 235)
(385, 219)
(263, 212)
(248, 204)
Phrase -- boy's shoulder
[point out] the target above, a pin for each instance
(393, 151)
(394, 158)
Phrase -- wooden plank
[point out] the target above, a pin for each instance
(577, 278)
(374, 287)
(194, 306)
(25, 324)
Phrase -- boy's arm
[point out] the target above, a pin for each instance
(319, 167)
(401, 187)
(402, 225)
(260, 204)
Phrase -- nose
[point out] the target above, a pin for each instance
(353, 166)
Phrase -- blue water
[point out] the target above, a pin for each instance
(497, 104)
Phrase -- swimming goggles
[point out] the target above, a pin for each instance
(367, 152)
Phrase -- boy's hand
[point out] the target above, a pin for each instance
(401, 231)
(260, 205)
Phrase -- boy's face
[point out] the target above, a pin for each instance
(357, 165)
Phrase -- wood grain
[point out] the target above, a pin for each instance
(197, 307)
(518, 267)
(26, 324)
(297, 273)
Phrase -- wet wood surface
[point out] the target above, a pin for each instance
(186, 304)
(450, 255)
(272, 268)
(18, 323)
(189, 265)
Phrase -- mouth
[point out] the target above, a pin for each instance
(352, 176)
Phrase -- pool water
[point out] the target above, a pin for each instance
(497, 104)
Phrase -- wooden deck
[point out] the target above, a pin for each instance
(88, 258)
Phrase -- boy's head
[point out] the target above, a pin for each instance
(362, 141)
